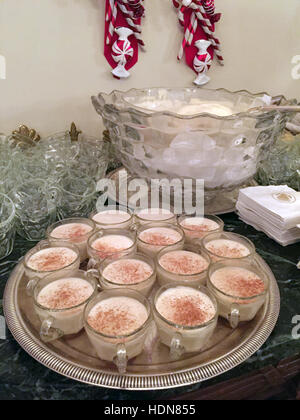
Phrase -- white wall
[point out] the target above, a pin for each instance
(54, 56)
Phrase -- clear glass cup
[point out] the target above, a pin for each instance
(112, 218)
(78, 195)
(196, 227)
(118, 349)
(72, 264)
(154, 215)
(153, 249)
(32, 162)
(281, 165)
(59, 322)
(84, 154)
(35, 203)
(235, 246)
(180, 338)
(143, 286)
(75, 230)
(92, 157)
(115, 248)
(7, 225)
(32, 165)
(238, 309)
(165, 276)
(6, 166)
(58, 150)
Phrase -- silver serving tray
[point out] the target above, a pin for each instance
(75, 358)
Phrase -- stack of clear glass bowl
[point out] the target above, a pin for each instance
(50, 179)
(192, 133)
(282, 167)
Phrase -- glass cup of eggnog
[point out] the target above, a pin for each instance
(110, 243)
(75, 231)
(185, 316)
(153, 237)
(225, 245)
(112, 218)
(117, 323)
(136, 271)
(240, 288)
(51, 258)
(196, 227)
(187, 265)
(59, 301)
(154, 215)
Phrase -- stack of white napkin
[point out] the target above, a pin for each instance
(274, 210)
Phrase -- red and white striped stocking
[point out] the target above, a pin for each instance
(198, 18)
(121, 45)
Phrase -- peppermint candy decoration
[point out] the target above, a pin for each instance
(198, 18)
(123, 19)
(202, 62)
(122, 52)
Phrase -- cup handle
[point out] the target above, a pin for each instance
(121, 359)
(30, 286)
(92, 264)
(234, 316)
(94, 273)
(134, 227)
(150, 339)
(176, 349)
(48, 333)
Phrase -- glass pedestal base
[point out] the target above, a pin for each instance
(222, 202)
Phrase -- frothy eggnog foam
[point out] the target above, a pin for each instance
(183, 262)
(117, 316)
(155, 214)
(160, 236)
(51, 259)
(112, 243)
(111, 217)
(199, 224)
(227, 248)
(65, 293)
(185, 306)
(238, 282)
(71, 231)
(127, 271)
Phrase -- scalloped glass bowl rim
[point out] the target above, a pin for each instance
(150, 114)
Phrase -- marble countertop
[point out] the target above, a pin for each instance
(21, 377)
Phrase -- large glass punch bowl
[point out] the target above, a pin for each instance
(192, 132)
